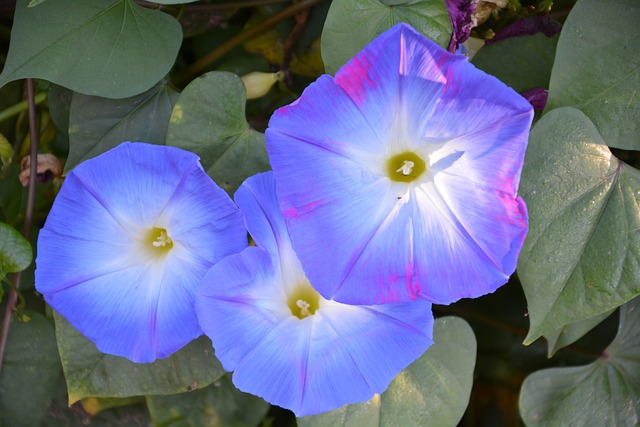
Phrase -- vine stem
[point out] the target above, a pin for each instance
(26, 231)
(225, 47)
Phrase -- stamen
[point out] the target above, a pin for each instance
(162, 240)
(304, 307)
(406, 168)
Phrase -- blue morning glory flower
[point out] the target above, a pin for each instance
(398, 178)
(129, 236)
(285, 342)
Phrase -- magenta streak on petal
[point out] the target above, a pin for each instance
(358, 76)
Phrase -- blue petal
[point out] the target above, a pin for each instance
(93, 269)
(364, 239)
(257, 200)
(341, 354)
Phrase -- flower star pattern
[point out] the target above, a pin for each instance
(398, 178)
(285, 342)
(130, 235)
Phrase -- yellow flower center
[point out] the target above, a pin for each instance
(405, 167)
(158, 241)
(303, 301)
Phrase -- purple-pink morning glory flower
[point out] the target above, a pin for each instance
(130, 235)
(398, 178)
(285, 342)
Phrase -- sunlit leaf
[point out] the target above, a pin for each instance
(108, 48)
(597, 68)
(91, 373)
(433, 390)
(581, 257)
(604, 393)
(351, 24)
(218, 405)
(572, 332)
(209, 120)
(30, 371)
(524, 62)
(15, 250)
(99, 124)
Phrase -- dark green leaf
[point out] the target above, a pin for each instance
(433, 390)
(581, 257)
(30, 370)
(108, 48)
(209, 120)
(91, 373)
(100, 124)
(352, 24)
(15, 250)
(604, 393)
(597, 68)
(571, 333)
(524, 63)
(218, 405)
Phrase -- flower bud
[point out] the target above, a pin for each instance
(258, 83)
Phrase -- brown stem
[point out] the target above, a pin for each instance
(26, 231)
(196, 68)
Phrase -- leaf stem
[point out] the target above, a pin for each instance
(21, 106)
(13, 292)
(200, 64)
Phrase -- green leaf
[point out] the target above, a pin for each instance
(91, 373)
(30, 371)
(433, 390)
(209, 120)
(352, 24)
(604, 393)
(523, 63)
(99, 124)
(108, 48)
(597, 68)
(581, 257)
(571, 333)
(15, 250)
(218, 405)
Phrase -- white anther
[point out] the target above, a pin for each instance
(406, 168)
(304, 307)
(162, 240)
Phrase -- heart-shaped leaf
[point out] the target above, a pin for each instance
(604, 393)
(581, 257)
(99, 124)
(209, 120)
(352, 24)
(597, 68)
(108, 48)
(91, 373)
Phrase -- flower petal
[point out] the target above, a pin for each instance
(364, 238)
(340, 354)
(97, 267)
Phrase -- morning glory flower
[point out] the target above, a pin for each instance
(285, 342)
(398, 178)
(129, 236)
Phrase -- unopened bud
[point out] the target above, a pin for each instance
(258, 83)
